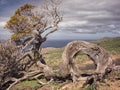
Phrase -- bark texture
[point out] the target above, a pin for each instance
(98, 55)
(14, 70)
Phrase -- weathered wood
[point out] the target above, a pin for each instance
(67, 68)
(98, 55)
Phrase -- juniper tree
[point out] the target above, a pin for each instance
(32, 27)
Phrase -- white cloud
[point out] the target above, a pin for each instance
(86, 15)
(116, 31)
(91, 16)
(2, 24)
(72, 23)
(112, 26)
(84, 31)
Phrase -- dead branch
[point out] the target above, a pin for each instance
(116, 68)
(27, 44)
(33, 25)
(42, 83)
(98, 55)
(27, 76)
(56, 17)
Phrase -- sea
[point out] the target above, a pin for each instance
(58, 43)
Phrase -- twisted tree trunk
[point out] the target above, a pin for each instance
(98, 55)
(67, 68)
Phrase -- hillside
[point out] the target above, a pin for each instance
(53, 55)
(110, 44)
(53, 59)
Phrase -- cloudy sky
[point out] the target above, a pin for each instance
(83, 19)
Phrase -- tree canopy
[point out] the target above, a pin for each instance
(27, 19)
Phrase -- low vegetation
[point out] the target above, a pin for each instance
(24, 65)
(53, 58)
(110, 44)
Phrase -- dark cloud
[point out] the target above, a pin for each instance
(99, 15)
(80, 16)
(2, 2)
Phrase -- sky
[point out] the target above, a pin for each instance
(82, 19)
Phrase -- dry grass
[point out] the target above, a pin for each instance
(53, 58)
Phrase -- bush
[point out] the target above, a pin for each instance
(9, 66)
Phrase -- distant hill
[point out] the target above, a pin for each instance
(54, 54)
(110, 44)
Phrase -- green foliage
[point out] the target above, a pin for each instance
(17, 35)
(54, 72)
(81, 58)
(20, 22)
(118, 75)
(54, 85)
(23, 8)
(27, 83)
(30, 83)
(91, 87)
(110, 44)
(26, 20)
(53, 58)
